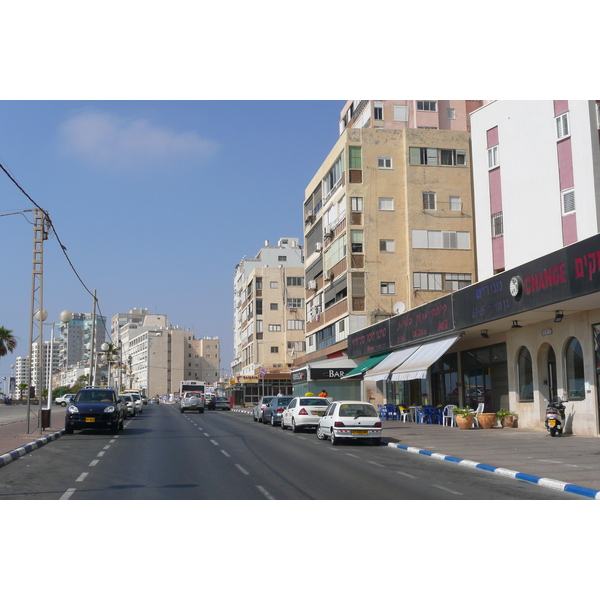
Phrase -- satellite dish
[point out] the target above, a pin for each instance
(399, 308)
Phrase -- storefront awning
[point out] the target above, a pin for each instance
(394, 360)
(366, 365)
(415, 367)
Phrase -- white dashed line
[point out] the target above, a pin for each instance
(82, 477)
(67, 494)
(215, 442)
(94, 463)
(375, 463)
(225, 453)
(242, 469)
(264, 492)
(106, 447)
(100, 454)
(407, 475)
(445, 489)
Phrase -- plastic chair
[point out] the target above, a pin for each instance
(480, 409)
(404, 414)
(391, 412)
(437, 415)
(383, 413)
(448, 417)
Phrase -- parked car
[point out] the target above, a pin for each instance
(304, 411)
(274, 409)
(191, 403)
(350, 420)
(95, 408)
(221, 403)
(153, 401)
(64, 400)
(257, 411)
(129, 405)
(137, 399)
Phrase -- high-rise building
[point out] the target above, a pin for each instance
(76, 337)
(268, 318)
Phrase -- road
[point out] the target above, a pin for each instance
(165, 455)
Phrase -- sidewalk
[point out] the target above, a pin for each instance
(568, 462)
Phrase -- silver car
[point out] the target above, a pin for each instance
(257, 411)
(191, 403)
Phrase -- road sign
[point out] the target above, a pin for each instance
(262, 372)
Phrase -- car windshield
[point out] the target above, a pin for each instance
(357, 410)
(94, 396)
(313, 402)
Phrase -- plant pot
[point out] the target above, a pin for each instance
(509, 421)
(465, 422)
(486, 420)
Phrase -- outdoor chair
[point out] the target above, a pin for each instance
(448, 416)
(480, 409)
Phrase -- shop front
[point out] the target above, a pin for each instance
(327, 375)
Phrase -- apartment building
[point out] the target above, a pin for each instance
(76, 337)
(388, 219)
(50, 355)
(269, 319)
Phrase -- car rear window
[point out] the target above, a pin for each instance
(94, 396)
(283, 401)
(313, 402)
(357, 410)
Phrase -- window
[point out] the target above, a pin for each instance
(384, 162)
(568, 201)
(428, 201)
(453, 157)
(325, 337)
(455, 203)
(259, 326)
(273, 284)
(333, 178)
(296, 346)
(274, 306)
(525, 374)
(274, 327)
(427, 105)
(282, 258)
(562, 126)
(497, 225)
(259, 306)
(356, 240)
(427, 281)
(356, 204)
(386, 204)
(377, 110)
(437, 156)
(387, 287)
(295, 281)
(386, 246)
(295, 324)
(456, 281)
(452, 240)
(493, 157)
(575, 373)
(274, 349)
(294, 302)
(400, 113)
(355, 157)
(259, 283)
(451, 113)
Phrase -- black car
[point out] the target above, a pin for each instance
(95, 408)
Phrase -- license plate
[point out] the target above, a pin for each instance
(90, 419)
(318, 412)
(552, 422)
(358, 432)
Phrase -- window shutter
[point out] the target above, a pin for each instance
(400, 113)
(569, 201)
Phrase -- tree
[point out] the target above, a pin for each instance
(8, 342)
(22, 387)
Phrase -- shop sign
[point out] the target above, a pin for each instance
(369, 340)
(429, 320)
(299, 376)
(320, 374)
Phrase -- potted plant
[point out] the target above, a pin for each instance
(507, 418)
(486, 420)
(464, 417)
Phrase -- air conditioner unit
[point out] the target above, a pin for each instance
(327, 232)
(312, 284)
(318, 247)
(328, 275)
(309, 218)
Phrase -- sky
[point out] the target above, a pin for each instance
(156, 202)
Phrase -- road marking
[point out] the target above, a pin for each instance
(242, 469)
(352, 455)
(406, 475)
(375, 463)
(112, 441)
(264, 492)
(106, 447)
(100, 454)
(225, 453)
(94, 463)
(441, 487)
(82, 477)
(207, 434)
(215, 442)
(67, 494)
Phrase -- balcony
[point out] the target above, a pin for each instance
(333, 313)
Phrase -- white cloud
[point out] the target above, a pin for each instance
(108, 140)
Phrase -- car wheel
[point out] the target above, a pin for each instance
(115, 427)
(294, 428)
(121, 424)
(283, 425)
(63, 403)
(265, 422)
(320, 434)
(334, 440)
(273, 424)
(69, 429)
(254, 417)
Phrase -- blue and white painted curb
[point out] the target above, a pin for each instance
(9, 457)
(543, 481)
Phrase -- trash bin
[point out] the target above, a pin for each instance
(46, 414)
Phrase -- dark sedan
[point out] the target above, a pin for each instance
(274, 409)
(95, 408)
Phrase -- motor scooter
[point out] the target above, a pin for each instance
(555, 416)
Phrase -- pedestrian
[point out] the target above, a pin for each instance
(323, 394)
(280, 394)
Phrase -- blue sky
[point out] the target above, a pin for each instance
(155, 201)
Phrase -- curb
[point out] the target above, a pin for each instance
(9, 457)
(543, 481)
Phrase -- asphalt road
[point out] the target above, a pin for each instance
(165, 455)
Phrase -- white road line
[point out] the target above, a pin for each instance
(100, 454)
(106, 447)
(112, 441)
(67, 494)
(225, 453)
(82, 477)
(407, 475)
(375, 463)
(441, 487)
(207, 434)
(352, 455)
(242, 469)
(94, 463)
(215, 442)
(264, 492)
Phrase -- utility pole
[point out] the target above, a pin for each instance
(92, 345)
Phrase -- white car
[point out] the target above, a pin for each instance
(139, 405)
(64, 400)
(304, 411)
(130, 404)
(350, 420)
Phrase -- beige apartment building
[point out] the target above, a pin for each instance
(268, 320)
(388, 220)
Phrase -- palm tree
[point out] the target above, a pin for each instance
(8, 342)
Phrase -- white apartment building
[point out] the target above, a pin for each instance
(22, 366)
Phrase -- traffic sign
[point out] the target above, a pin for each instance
(262, 372)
